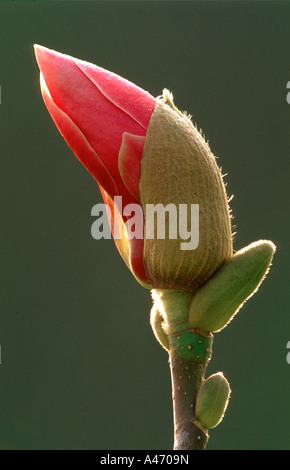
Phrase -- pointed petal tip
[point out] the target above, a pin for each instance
(40, 53)
(46, 55)
(38, 49)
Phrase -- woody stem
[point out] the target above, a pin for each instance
(188, 356)
(186, 379)
(189, 351)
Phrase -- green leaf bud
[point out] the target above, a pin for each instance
(220, 298)
(212, 400)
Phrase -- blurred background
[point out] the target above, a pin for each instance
(80, 368)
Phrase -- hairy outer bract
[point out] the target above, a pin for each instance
(178, 167)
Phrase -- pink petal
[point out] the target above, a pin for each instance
(116, 223)
(138, 103)
(130, 250)
(136, 256)
(101, 122)
(130, 155)
(77, 142)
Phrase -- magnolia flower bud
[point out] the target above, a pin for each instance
(177, 168)
(145, 151)
(212, 400)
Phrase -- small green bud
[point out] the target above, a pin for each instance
(173, 307)
(220, 298)
(212, 400)
(157, 325)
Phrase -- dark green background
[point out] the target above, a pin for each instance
(80, 368)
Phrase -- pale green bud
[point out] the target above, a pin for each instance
(173, 306)
(212, 400)
(157, 325)
(220, 298)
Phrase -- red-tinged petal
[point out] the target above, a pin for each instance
(130, 250)
(135, 101)
(77, 141)
(92, 109)
(100, 121)
(117, 226)
(129, 162)
(136, 256)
